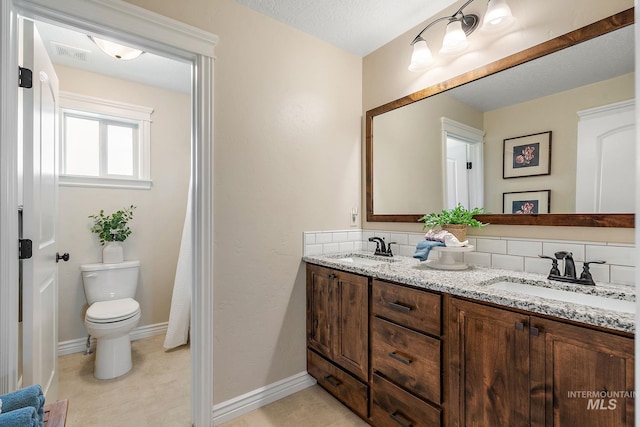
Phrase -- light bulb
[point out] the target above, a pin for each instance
(421, 58)
(116, 50)
(455, 40)
(498, 16)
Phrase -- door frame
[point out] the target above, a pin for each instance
(475, 140)
(159, 34)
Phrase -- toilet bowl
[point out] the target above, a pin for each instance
(112, 314)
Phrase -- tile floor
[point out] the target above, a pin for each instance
(311, 407)
(156, 392)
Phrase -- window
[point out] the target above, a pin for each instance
(104, 143)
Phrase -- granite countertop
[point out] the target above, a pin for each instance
(474, 283)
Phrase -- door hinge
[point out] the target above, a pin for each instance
(469, 165)
(25, 78)
(25, 249)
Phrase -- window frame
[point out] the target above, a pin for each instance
(108, 111)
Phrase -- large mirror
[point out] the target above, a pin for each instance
(406, 139)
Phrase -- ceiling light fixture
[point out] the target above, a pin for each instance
(497, 18)
(116, 50)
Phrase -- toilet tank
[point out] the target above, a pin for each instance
(104, 282)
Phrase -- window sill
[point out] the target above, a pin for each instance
(120, 183)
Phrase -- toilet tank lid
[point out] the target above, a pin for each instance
(102, 266)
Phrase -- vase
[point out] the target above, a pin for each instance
(458, 230)
(112, 253)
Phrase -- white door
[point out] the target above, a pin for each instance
(463, 145)
(605, 173)
(40, 206)
(457, 174)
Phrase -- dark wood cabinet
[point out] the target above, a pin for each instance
(509, 368)
(402, 356)
(393, 406)
(488, 366)
(406, 352)
(338, 334)
(580, 376)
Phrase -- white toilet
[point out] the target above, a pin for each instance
(112, 314)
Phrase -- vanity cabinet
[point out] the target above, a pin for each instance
(406, 356)
(338, 334)
(510, 368)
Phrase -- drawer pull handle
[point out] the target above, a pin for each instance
(400, 307)
(399, 358)
(399, 419)
(332, 380)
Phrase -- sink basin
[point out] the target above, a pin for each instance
(365, 261)
(567, 296)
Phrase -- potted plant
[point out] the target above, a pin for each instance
(111, 230)
(454, 220)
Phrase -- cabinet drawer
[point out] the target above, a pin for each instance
(413, 308)
(408, 358)
(394, 407)
(343, 386)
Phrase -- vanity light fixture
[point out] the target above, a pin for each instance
(116, 50)
(497, 18)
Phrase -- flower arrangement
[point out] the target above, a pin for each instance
(457, 215)
(113, 227)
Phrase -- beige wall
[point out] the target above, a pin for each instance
(158, 219)
(287, 159)
(386, 78)
(558, 113)
(414, 154)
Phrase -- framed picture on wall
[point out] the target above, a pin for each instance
(526, 202)
(528, 155)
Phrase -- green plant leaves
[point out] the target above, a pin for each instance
(113, 227)
(457, 215)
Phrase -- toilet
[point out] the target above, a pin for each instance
(112, 314)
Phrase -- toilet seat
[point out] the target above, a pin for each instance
(112, 310)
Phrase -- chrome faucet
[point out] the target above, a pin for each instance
(381, 248)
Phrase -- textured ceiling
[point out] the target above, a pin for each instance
(358, 26)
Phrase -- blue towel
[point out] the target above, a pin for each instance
(22, 417)
(28, 396)
(424, 247)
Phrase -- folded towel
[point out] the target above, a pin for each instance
(436, 236)
(22, 417)
(28, 396)
(452, 241)
(424, 247)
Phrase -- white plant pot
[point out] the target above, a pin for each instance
(112, 253)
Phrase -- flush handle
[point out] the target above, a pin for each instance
(400, 307)
(400, 358)
(332, 380)
(398, 418)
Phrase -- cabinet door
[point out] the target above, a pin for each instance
(319, 319)
(351, 338)
(489, 366)
(580, 376)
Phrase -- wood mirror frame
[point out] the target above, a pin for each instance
(588, 32)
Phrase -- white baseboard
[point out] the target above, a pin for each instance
(233, 408)
(78, 345)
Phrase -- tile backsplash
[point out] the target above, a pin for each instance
(498, 252)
